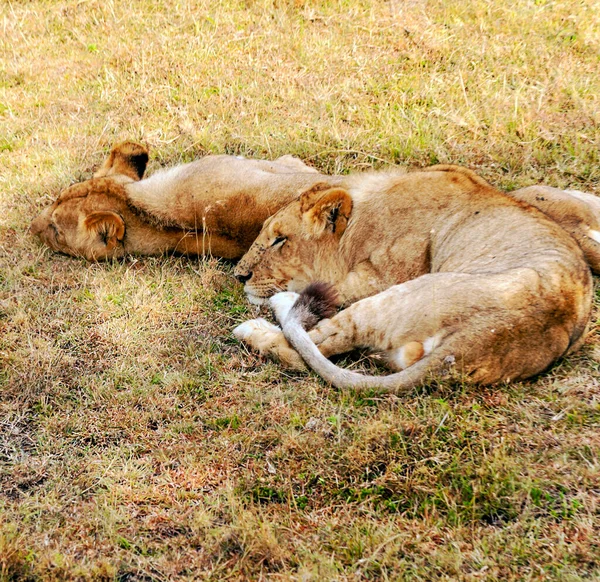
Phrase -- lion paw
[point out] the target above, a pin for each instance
(253, 329)
(268, 340)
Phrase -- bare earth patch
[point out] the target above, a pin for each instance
(139, 440)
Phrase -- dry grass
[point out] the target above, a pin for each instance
(139, 441)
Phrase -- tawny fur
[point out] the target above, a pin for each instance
(218, 204)
(437, 268)
(215, 205)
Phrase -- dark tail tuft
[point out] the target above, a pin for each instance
(318, 301)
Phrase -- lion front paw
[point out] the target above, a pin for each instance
(268, 340)
(253, 330)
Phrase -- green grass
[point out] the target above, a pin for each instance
(139, 440)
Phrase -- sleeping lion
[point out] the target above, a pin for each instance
(217, 205)
(436, 269)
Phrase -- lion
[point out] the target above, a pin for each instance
(436, 269)
(215, 205)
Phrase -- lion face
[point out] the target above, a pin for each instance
(298, 245)
(86, 220)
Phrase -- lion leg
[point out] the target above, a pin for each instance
(475, 320)
(202, 244)
(268, 340)
(344, 332)
(337, 337)
(295, 164)
(577, 212)
(334, 336)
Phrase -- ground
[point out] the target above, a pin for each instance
(139, 440)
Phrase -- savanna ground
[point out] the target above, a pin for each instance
(139, 441)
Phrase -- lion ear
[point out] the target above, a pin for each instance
(326, 210)
(127, 159)
(108, 225)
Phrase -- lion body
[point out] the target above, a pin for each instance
(215, 205)
(434, 268)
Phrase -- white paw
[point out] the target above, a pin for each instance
(246, 330)
(281, 303)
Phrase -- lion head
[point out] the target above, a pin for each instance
(297, 245)
(86, 220)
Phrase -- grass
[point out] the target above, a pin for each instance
(139, 441)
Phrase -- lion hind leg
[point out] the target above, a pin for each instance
(333, 336)
(333, 339)
(577, 212)
(411, 352)
(295, 164)
(467, 320)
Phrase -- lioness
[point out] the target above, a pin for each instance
(214, 205)
(437, 268)
(218, 204)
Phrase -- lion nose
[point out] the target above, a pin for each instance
(242, 278)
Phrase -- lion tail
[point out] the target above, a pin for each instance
(318, 301)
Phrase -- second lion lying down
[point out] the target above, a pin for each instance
(447, 271)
